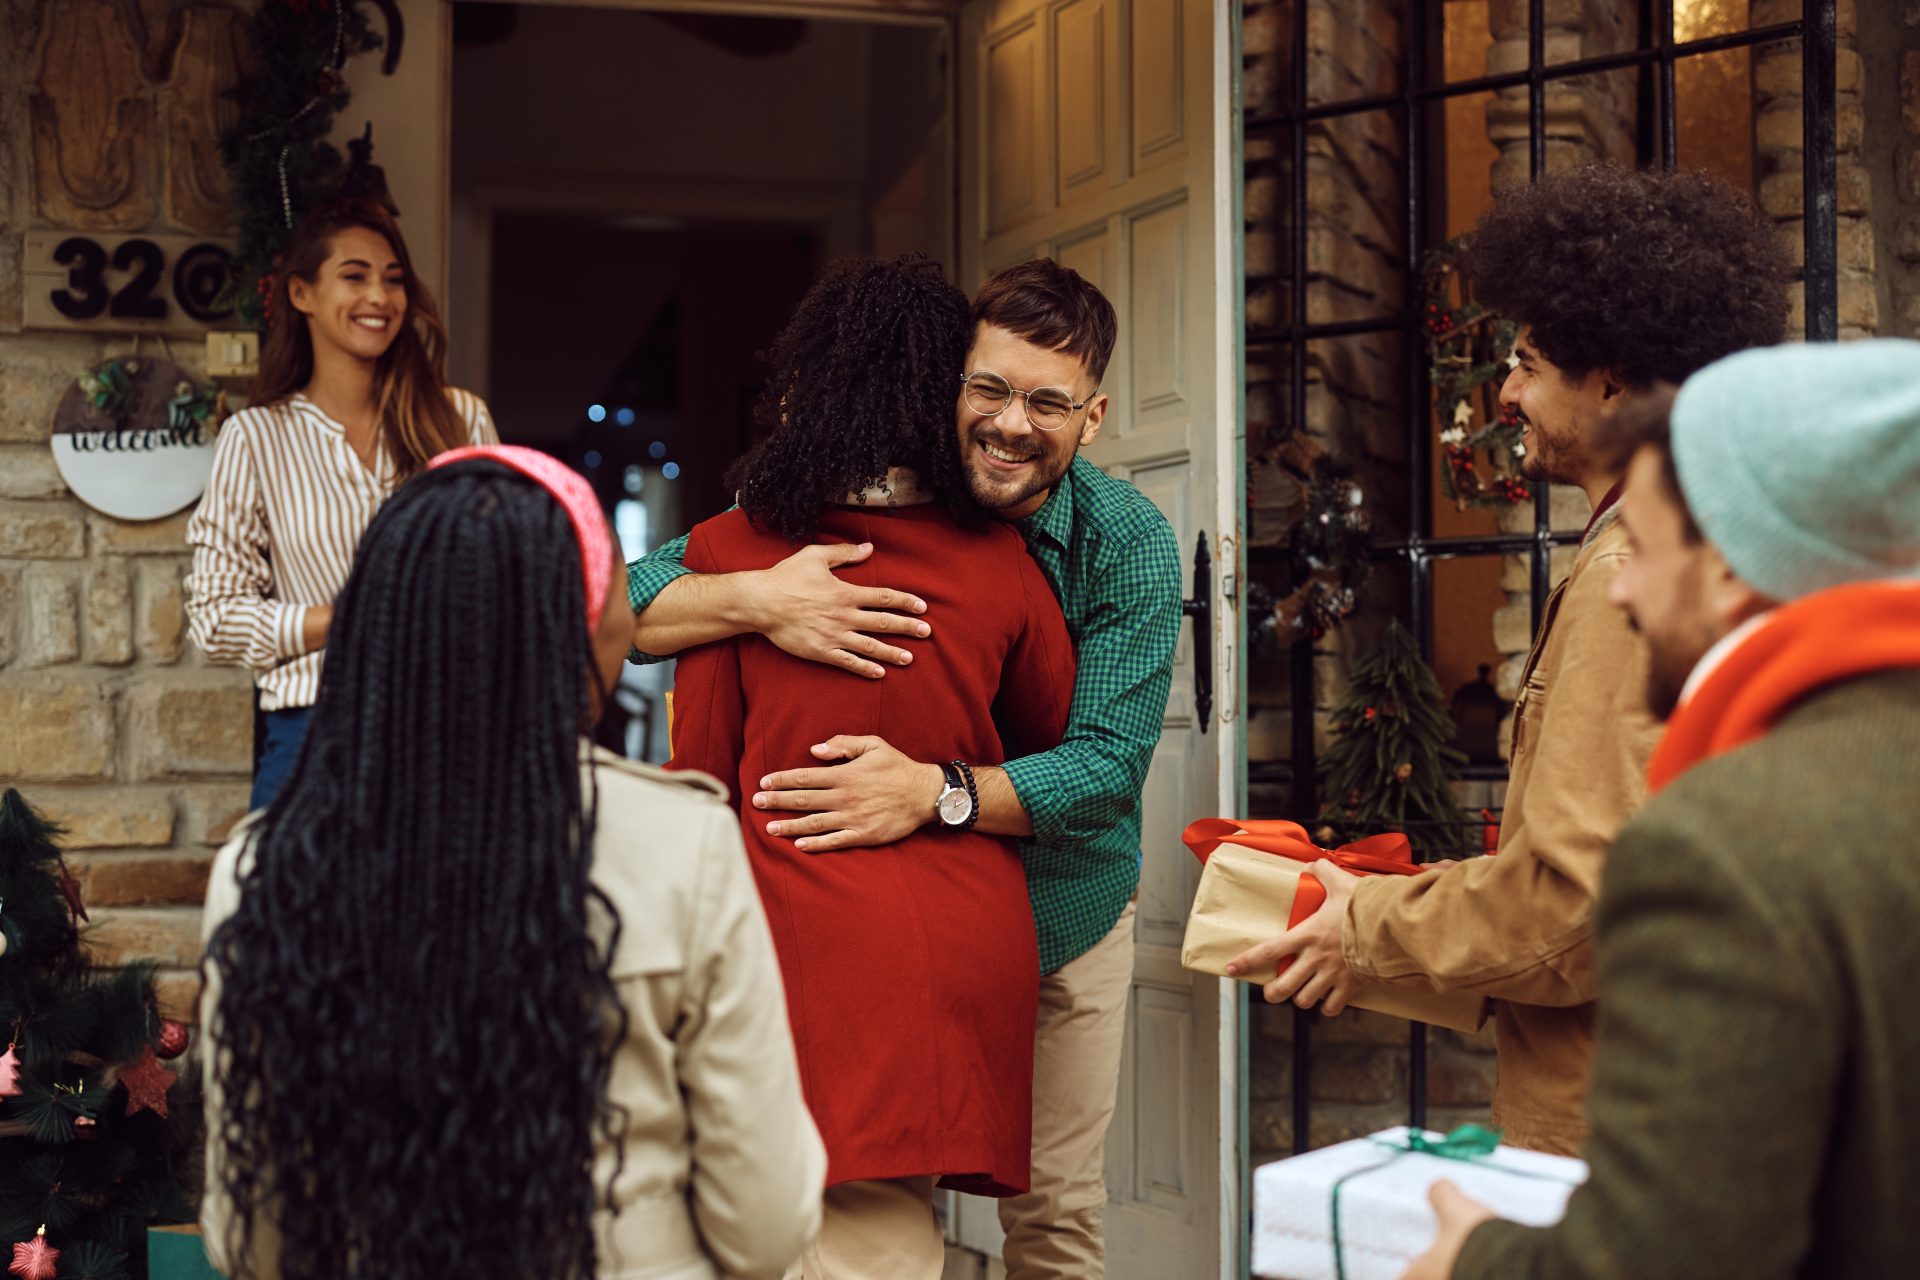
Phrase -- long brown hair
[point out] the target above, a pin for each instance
(416, 418)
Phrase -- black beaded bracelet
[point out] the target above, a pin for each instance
(973, 794)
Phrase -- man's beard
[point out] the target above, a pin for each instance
(1547, 457)
(1664, 687)
(1669, 667)
(996, 492)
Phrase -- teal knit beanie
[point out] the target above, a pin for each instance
(1802, 463)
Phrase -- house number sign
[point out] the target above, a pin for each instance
(125, 284)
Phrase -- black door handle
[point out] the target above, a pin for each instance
(1200, 609)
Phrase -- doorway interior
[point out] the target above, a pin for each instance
(638, 200)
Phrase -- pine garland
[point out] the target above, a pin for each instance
(1392, 762)
(277, 154)
(71, 1159)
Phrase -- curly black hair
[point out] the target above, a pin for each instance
(415, 1024)
(864, 378)
(1651, 274)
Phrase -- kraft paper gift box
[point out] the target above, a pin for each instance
(1378, 1185)
(1256, 886)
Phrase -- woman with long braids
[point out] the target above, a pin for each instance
(911, 969)
(351, 399)
(483, 1001)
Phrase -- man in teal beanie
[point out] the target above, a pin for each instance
(1759, 928)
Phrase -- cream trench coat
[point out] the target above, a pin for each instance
(723, 1168)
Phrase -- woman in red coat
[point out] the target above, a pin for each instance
(911, 971)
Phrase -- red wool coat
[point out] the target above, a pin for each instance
(911, 970)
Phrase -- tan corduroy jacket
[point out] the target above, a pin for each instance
(1518, 926)
(723, 1167)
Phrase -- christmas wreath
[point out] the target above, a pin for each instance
(1469, 351)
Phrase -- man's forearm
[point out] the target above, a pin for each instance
(1001, 813)
(696, 609)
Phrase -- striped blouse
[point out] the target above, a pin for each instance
(275, 535)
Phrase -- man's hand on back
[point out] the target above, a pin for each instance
(875, 797)
(807, 610)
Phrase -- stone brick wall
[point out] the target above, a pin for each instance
(1359, 1062)
(110, 721)
(1778, 139)
(1355, 410)
(1355, 270)
(1889, 40)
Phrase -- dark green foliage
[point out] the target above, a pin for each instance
(73, 1029)
(286, 105)
(92, 1260)
(1392, 720)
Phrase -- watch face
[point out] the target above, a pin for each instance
(955, 805)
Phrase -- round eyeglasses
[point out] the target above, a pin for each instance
(1048, 408)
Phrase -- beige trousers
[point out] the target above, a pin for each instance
(883, 1229)
(1054, 1231)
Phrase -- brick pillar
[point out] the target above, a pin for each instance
(1588, 118)
(1778, 140)
(1889, 40)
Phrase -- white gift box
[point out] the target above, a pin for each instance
(1385, 1219)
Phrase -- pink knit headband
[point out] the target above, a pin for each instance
(570, 489)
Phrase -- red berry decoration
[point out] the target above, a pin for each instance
(173, 1039)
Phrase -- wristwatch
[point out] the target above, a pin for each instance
(956, 804)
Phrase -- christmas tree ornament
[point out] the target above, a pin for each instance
(147, 1083)
(173, 1039)
(35, 1259)
(10, 1073)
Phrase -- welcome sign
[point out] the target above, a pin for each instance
(133, 438)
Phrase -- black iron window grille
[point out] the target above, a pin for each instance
(1418, 551)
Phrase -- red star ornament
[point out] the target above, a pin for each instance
(147, 1084)
(34, 1259)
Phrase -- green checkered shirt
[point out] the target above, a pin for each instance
(1114, 563)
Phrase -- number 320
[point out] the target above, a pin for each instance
(199, 277)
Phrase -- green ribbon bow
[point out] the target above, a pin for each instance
(1468, 1142)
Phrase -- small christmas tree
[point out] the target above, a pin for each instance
(1392, 762)
(85, 1147)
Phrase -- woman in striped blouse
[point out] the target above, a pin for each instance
(351, 399)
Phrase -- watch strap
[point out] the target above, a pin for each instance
(973, 793)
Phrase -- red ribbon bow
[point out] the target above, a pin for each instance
(1384, 855)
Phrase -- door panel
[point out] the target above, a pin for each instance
(1079, 94)
(1011, 95)
(1122, 188)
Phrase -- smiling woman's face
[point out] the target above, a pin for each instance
(357, 300)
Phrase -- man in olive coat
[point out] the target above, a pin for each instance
(1753, 1112)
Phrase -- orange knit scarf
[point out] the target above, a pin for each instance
(1813, 642)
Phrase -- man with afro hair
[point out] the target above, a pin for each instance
(1619, 280)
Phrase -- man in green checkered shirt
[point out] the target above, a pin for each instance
(1030, 399)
